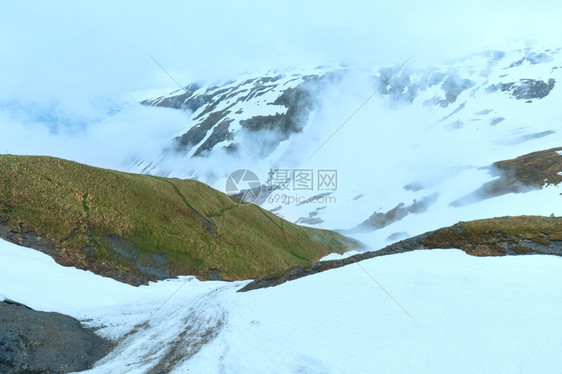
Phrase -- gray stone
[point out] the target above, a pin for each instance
(41, 342)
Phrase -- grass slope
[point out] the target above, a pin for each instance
(501, 236)
(535, 169)
(136, 228)
(531, 171)
(486, 237)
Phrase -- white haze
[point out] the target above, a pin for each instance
(114, 141)
(66, 65)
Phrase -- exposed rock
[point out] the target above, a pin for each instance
(453, 86)
(298, 101)
(457, 109)
(197, 133)
(400, 86)
(30, 239)
(456, 125)
(533, 58)
(183, 100)
(379, 220)
(525, 89)
(304, 270)
(534, 169)
(528, 172)
(40, 342)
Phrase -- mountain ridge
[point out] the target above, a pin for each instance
(503, 236)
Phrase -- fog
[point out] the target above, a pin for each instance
(116, 141)
(69, 66)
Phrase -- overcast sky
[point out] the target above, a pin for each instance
(76, 50)
(76, 58)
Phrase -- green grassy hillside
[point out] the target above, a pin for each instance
(501, 236)
(136, 228)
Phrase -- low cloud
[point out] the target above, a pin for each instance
(106, 140)
(68, 65)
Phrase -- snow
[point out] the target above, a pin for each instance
(337, 256)
(464, 308)
(470, 314)
(385, 148)
(388, 145)
(36, 280)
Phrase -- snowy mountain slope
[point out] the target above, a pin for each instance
(404, 159)
(470, 314)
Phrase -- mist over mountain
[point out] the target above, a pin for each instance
(409, 159)
(388, 173)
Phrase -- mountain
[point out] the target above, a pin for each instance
(136, 228)
(412, 148)
(450, 174)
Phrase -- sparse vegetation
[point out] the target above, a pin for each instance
(487, 237)
(136, 228)
(530, 171)
(498, 236)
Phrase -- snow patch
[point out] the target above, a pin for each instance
(503, 310)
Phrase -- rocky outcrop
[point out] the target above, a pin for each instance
(525, 173)
(216, 107)
(379, 220)
(40, 342)
(525, 89)
(535, 169)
